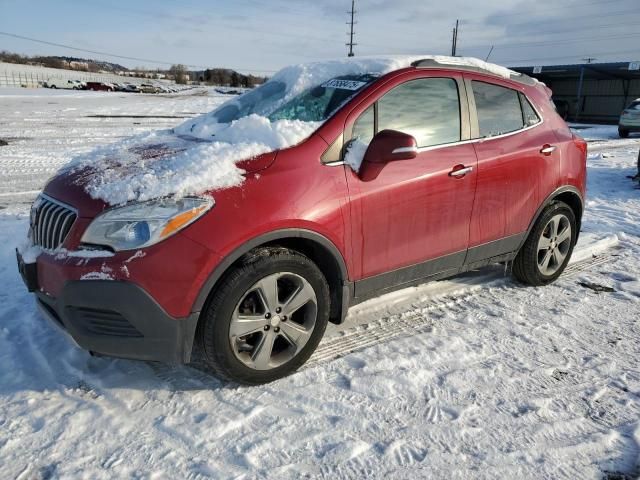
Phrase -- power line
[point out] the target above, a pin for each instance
(619, 52)
(526, 24)
(199, 19)
(114, 55)
(546, 9)
(579, 28)
(559, 41)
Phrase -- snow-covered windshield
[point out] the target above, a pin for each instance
(320, 102)
(314, 105)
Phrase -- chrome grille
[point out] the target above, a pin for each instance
(51, 222)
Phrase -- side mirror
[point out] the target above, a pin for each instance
(391, 145)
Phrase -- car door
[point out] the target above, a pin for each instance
(412, 219)
(517, 166)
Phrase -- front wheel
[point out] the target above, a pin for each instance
(548, 248)
(266, 318)
(623, 133)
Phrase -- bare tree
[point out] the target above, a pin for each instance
(179, 73)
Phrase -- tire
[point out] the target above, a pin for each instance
(53, 86)
(543, 245)
(239, 305)
(623, 133)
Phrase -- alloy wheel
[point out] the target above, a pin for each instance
(554, 244)
(273, 321)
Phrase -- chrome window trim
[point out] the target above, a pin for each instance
(471, 108)
(502, 135)
(479, 139)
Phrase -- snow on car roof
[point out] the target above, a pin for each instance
(301, 77)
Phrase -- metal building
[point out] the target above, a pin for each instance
(590, 92)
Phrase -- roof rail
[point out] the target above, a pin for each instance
(460, 65)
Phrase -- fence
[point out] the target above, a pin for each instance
(30, 76)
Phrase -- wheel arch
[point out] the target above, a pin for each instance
(567, 194)
(322, 251)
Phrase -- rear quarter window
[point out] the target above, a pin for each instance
(529, 114)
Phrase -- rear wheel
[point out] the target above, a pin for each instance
(623, 132)
(547, 250)
(266, 319)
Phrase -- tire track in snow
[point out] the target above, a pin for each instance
(415, 321)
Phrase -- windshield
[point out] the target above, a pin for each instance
(319, 103)
(314, 105)
(634, 106)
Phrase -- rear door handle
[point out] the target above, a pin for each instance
(548, 149)
(460, 171)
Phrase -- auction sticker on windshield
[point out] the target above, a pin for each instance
(344, 84)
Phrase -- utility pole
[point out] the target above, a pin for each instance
(454, 40)
(579, 103)
(351, 32)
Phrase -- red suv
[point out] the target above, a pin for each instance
(411, 175)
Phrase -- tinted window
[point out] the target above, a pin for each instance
(528, 113)
(428, 109)
(498, 109)
(634, 106)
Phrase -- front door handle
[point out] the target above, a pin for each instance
(460, 171)
(548, 149)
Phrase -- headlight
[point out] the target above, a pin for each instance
(142, 224)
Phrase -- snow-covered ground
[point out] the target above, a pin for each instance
(474, 377)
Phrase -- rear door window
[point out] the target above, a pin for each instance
(498, 108)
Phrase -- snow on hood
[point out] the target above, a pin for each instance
(164, 163)
(161, 163)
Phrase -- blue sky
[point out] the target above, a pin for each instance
(262, 36)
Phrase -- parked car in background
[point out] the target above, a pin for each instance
(100, 86)
(63, 83)
(630, 119)
(148, 88)
(460, 165)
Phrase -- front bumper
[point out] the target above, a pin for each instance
(119, 319)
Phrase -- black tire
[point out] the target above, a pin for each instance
(213, 335)
(623, 133)
(526, 264)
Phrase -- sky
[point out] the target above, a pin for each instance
(261, 36)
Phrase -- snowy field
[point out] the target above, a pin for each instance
(474, 377)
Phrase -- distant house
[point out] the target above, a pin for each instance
(79, 65)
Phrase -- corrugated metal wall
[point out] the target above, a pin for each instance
(602, 100)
